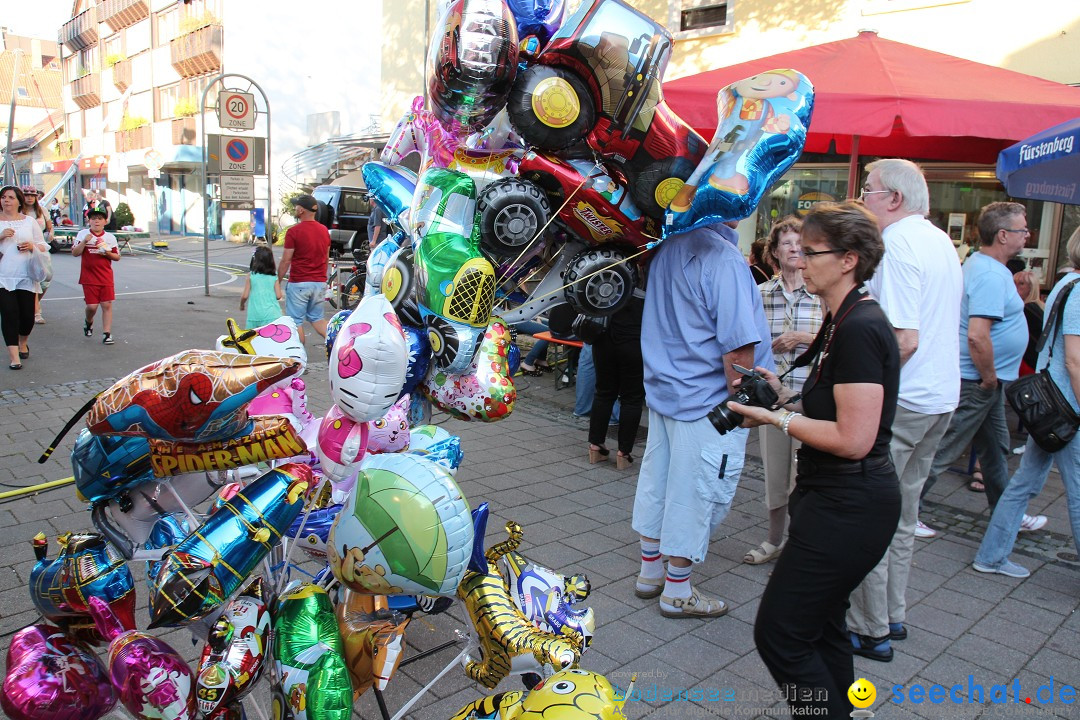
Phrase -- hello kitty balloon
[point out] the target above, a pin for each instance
(369, 360)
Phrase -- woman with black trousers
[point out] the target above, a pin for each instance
(846, 502)
(620, 375)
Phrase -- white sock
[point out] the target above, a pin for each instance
(652, 563)
(677, 584)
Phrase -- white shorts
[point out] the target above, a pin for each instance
(688, 478)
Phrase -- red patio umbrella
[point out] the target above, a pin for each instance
(884, 98)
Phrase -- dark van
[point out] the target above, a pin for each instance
(346, 217)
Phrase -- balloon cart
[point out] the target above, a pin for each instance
(545, 178)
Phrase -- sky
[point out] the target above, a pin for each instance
(42, 21)
(327, 68)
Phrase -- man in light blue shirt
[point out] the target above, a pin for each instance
(993, 336)
(703, 314)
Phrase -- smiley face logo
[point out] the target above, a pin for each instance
(862, 693)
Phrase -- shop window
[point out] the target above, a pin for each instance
(800, 189)
(1070, 222)
(698, 18)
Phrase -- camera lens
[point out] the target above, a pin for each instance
(724, 419)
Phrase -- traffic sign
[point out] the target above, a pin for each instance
(153, 160)
(236, 155)
(153, 174)
(237, 192)
(231, 153)
(236, 110)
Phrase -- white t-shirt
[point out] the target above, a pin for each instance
(919, 285)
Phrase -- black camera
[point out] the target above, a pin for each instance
(754, 391)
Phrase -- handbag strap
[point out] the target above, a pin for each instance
(1052, 320)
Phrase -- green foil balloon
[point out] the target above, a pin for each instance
(455, 282)
(310, 658)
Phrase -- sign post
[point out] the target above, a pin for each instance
(234, 160)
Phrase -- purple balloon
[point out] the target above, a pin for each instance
(152, 680)
(537, 17)
(51, 678)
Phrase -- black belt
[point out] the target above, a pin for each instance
(811, 469)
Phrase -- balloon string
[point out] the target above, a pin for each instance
(540, 233)
(299, 534)
(594, 272)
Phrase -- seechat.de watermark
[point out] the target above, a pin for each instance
(972, 691)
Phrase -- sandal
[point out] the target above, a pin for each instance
(39, 319)
(25, 353)
(695, 606)
(598, 454)
(648, 588)
(15, 366)
(623, 462)
(976, 484)
(763, 553)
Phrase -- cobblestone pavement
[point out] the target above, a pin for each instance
(967, 630)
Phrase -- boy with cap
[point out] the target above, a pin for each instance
(306, 254)
(99, 250)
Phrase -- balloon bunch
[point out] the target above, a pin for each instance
(552, 119)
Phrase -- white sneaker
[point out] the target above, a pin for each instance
(924, 532)
(1031, 523)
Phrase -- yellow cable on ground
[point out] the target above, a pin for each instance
(36, 488)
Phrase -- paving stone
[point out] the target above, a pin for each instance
(1000, 659)
(1027, 615)
(1012, 634)
(939, 622)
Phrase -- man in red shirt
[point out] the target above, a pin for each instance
(99, 250)
(307, 250)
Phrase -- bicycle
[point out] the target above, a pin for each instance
(345, 295)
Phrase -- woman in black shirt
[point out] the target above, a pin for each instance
(846, 501)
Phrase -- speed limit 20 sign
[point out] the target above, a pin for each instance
(236, 110)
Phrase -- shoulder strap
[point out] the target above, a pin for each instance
(1052, 320)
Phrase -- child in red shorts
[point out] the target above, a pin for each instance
(99, 250)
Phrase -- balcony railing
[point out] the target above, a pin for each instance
(140, 137)
(80, 31)
(121, 75)
(123, 13)
(197, 52)
(183, 131)
(86, 91)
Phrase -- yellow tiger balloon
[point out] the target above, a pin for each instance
(503, 632)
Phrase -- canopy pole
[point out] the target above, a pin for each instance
(853, 169)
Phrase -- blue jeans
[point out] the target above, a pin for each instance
(1026, 484)
(585, 388)
(539, 348)
(978, 420)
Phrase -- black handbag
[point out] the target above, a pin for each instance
(1046, 414)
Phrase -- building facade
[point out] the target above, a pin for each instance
(133, 76)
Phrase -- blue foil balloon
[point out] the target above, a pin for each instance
(513, 358)
(168, 531)
(391, 187)
(760, 134)
(86, 566)
(106, 465)
(419, 357)
(316, 529)
(539, 18)
(333, 326)
(209, 565)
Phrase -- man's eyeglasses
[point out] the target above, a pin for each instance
(1025, 231)
(866, 192)
(814, 253)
